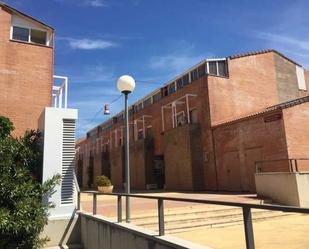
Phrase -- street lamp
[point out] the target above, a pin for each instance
(126, 85)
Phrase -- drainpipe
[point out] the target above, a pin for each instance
(215, 157)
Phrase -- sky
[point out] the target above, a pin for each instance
(97, 41)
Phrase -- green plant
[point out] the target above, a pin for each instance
(23, 215)
(103, 181)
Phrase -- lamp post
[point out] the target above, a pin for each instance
(126, 85)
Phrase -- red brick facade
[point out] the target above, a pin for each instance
(203, 154)
(26, 76)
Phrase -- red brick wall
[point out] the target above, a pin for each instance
(297, 133)
(25, 78)
(239, 145)
(251, 85)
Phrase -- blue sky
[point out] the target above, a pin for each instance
(96, 41)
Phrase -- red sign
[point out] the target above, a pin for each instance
(273, 117)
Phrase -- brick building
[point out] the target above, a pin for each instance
(26, 68)
(206, 128)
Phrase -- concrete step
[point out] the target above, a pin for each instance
(215, 221)
(196, 209)
(195, 216)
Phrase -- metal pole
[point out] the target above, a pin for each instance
(119, 204)
(161, 217)
(127, 166)
(94, 204)
(248, 228)
(66, 92)
(78, 200)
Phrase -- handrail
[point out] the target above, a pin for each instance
(77, 189)
(292, 162)
(246, 208)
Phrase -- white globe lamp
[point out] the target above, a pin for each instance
(126, 84)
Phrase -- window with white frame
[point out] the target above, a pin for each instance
(30, 35)
(147, 102)
(20, 34)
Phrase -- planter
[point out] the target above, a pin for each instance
(106, 189)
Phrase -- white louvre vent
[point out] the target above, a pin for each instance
(68, 156)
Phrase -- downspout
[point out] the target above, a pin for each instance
(215, 157)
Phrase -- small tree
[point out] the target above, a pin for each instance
(22, 212)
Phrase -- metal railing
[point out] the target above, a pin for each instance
(59, 90)
(291, 165)
(246, 209)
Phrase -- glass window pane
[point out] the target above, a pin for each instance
(212, 67)
(21, 34)
(171, 88)
(147, 102)
(179, 83)
(193, 75)
(185, 79)
(201, 70)
(38, 36)
(222, 68)
(156, 97)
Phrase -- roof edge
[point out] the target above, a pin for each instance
(7, 7)
(263, 52)
(269, 109)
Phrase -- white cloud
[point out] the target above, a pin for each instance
(290, 33)
(91, 3)
(285, 39)
(96, 3)
(90, 44)
(175, 62)
(291, 45)
(97, 73)
(181, 57)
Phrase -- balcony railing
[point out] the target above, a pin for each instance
(246, 210)
(282, 165)
(60, 92)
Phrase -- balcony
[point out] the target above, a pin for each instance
(60, 92)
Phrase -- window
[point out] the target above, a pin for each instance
(20, 34)
(212, 67)
(165, 91)
(138, 107)
(222, 68)
(130, 111)
(185, 79)
(38, 36)
(31, 35)
(201, 70)
(147, 102)
(179, 83)
(120, 117)
(171, 88)
(91, 134)
(194, 75)
(156, 97)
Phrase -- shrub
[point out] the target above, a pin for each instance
(103, 181)
(22, 213)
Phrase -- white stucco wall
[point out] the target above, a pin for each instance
(284, 187)
(51, 124)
